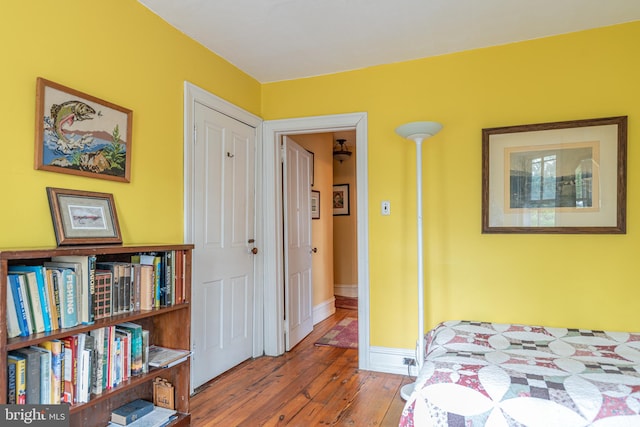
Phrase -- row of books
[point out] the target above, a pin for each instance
(70, 369)
(70, 290)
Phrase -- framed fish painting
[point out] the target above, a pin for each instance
(80, 134)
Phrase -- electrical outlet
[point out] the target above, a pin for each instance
(409, 361)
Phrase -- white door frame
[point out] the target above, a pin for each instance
(193, 94)
(273, 229)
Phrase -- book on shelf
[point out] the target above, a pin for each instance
(166, 294)
(11, 383)
(98, 360)
(103, 283)
(85, 360)
(179, 277)
(82, 367)
(52, 279)
(158, 417)
(69, 278)
(125, 353)
(16, 316)
(110, 346)
(136, 345)
(147, 286)
(136, 278)
(86, 286)
(56, 347)
(128, 413)
(117, 361)
(21, 377)
(70, 368)
(32, 378)
(45, 374)
(145, 351)
(32, 294)
(20, 294)
(163, 357)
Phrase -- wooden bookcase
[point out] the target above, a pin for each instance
(168, 326)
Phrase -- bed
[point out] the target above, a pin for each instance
(480, 373)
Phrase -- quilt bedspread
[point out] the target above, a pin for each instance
(479, 373)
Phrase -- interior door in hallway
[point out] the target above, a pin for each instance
(223, 262)
(297, 236)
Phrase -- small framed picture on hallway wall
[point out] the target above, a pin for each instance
(315, 204)
(340, 199)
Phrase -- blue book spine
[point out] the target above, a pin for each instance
(42, 293)
(69, 301)
(21, 311)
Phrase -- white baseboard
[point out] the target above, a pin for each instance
(389, 360)
(324, 310)
(350, 291)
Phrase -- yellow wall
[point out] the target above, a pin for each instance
(570, 280)
(119, 51)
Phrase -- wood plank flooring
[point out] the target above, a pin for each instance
(308, 386)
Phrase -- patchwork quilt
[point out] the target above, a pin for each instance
(488, 374)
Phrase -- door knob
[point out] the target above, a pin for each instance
(254, 251)
(314, 250)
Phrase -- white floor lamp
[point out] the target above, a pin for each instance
(418, 131)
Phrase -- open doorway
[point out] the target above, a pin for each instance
(334, 224)
(272, 133)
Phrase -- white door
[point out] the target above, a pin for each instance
(297, 235)
(224, 232)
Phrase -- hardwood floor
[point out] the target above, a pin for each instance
(310, 385)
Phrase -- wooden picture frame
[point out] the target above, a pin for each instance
(560, 177)
(315, 204)
(83, 217)
(340, 199)
(80, 134)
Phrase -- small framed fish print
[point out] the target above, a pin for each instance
(83, 217)
(80, 134)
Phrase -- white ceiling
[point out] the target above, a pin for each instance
(274, 40)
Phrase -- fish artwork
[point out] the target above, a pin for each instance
(64, 115)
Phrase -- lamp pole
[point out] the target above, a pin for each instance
(418, 131)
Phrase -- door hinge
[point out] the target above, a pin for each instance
(285, 326)
(195, 133)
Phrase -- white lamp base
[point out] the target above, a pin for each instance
(406, 391)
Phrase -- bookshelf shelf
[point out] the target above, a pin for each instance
(34, 339)
(168, 326)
